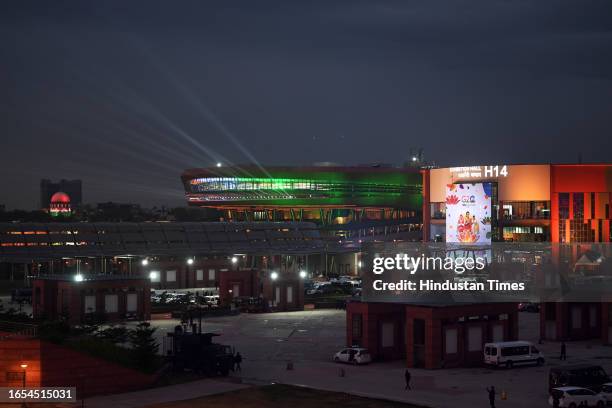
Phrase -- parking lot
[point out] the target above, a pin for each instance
(309, 339)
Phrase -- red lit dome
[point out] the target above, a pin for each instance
(60, 198)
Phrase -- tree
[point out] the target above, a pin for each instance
(144, 345)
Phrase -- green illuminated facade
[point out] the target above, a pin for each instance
(341, 198)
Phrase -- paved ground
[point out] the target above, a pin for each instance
(170, 393)
(309, 339)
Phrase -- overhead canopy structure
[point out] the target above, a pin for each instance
(25, 242)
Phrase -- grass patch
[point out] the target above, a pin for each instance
(283, 396)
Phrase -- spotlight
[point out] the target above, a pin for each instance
(302, 274)
(274, 275)
(78, 278)
(144, 262)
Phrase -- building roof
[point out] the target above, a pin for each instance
(60, 197)
(26, 242)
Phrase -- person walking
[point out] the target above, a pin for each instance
(237, 361)
(491, 392)
(556, 401)
(563, 355)
(407, 377)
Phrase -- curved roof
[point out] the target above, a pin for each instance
(60, 198)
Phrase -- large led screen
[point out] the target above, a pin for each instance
(468, 213)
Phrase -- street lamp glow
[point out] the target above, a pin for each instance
(234, 259)
(24, 366)
(302, 274)
(274, 275)
(190, 261)
(153, 276)
(219, 164)
(78, 278)
(360, 264)
(144, 262)
(414, 158)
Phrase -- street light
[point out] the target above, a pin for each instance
(190, 261)
(24, 366)
(144, 262)
(219, 164)
(303, 274)
(234, 259)
(274, 275)
(153, 276)
(360, 264)
(78, 277)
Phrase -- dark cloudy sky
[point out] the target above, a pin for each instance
(126, 94)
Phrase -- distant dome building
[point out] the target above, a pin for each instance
(60, 204)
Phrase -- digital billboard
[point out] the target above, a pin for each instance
(468, 213)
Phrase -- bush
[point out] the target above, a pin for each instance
(144, 345)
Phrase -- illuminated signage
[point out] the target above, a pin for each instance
(480, 172)
(468, 213)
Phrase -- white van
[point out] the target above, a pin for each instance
(508, 353)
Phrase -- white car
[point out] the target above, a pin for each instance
(571, 397)
(353, 355)
(606, 391)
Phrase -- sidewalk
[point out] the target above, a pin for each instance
(170, 393)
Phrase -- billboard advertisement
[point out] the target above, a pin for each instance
(468, 213)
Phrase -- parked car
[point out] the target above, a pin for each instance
(571, 397)
(581, 375)
(606, 391)
(353, 355)
(529, 307)
(509, 353)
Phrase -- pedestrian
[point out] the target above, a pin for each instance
(407, 377)
(563, 355)
(237, 361)
(491, 391)
(556, 401)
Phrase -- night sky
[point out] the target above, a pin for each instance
(127, 94)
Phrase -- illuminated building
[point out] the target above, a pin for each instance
(60, 205)
(565, 204)
(353, 203)
(71, 187)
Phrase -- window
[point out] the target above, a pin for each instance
(132, 302)
(211, 274)
(200, 274)
(277, 294)
(111, 304)
(90, 304)
(387, 335)
(450, 341)
(576, 317)
(289, 294)
(475, 338)
(170, 276)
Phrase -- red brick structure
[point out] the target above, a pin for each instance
(430, 336)
(285, 293)
(112, 298)
(50, 365)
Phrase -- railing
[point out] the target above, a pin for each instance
(10, 329)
